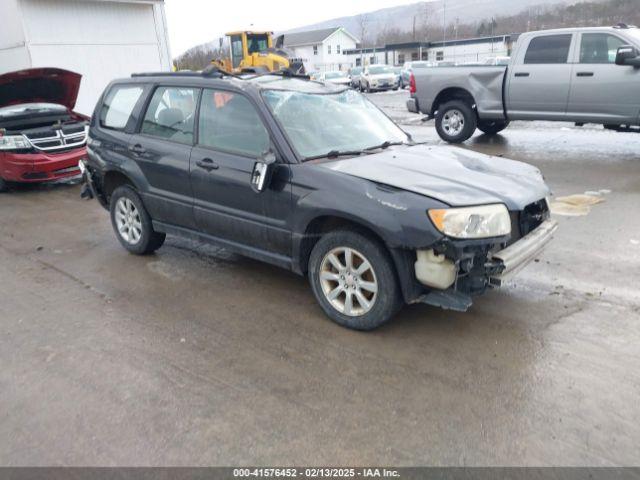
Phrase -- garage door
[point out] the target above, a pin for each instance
(100, 40)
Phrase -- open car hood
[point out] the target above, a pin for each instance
(40, 85)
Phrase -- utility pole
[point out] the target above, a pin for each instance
(444, 22)
(455, 45)
(493, 22)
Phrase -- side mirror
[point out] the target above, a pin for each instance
(262, 171)
(628, 56)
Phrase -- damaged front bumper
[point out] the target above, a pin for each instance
(490, 270)
(517, 256)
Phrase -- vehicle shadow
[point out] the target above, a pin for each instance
(26, 188)
(494, 140)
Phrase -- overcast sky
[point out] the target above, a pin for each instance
(192, 22)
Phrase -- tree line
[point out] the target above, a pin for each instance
(584, 14)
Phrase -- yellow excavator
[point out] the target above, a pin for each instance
(253, 52)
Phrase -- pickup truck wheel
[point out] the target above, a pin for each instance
(3, 185)
(132, 223)
(456, 121)
(492, 128)
(353, 280)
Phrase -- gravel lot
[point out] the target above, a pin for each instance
(196, 356)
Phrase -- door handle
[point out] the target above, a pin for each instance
(138, 149)
(521, 74)
(585, 74)
(207, 164)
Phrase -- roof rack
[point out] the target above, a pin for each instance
(212, 71)
(286, 73)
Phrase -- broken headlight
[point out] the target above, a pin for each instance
(485, 221)
(13, 142)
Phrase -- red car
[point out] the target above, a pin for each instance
(41, 137)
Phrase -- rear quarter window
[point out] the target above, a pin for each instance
(118, 106)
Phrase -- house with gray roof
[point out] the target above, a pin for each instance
(321, 50)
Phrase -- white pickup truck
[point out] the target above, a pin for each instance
(580, 75)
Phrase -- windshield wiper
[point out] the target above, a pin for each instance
(383, 146)
(354, 153)
(338, 153)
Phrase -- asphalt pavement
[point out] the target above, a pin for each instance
(195, 356)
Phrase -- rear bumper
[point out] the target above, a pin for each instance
(412, 105)
(40, 167)
(520, 254)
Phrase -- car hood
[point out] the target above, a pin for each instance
(383, 76)
(451, 175)
(40, 85)
(339, 81)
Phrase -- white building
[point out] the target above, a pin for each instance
(321, 50)
(471, 49)
(458, 51)
(100, 39)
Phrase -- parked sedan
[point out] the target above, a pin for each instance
(336, 77)
(377, 78)
(354, 75)
(41, 137)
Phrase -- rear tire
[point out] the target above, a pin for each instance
(132, 224)
(456, 121)
(492, 128)
(366, 275)
(3, 185)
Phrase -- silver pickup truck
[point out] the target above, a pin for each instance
(581, 75)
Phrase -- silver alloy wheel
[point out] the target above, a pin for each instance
(348, 281)
(128, 221)
(453, 122)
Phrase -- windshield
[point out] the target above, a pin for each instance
(379, 70)
(331, 75)
(318, 124)
(635, 34)
(356, 71)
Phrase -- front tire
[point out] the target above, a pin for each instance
(492, 128)
(456, 121)
(354, 280)
(3, 185)
(132, 224)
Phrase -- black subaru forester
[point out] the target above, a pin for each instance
(316, 179)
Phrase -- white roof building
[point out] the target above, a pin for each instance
(321, 50)
(100, 39)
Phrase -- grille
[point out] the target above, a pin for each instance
(58, 140)
(526, 221)
(533, 216)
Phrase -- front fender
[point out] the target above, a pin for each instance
(399, 218)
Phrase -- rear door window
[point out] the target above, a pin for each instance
(118, 106)
(548, 49)
(230, 123)
(171, 114)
